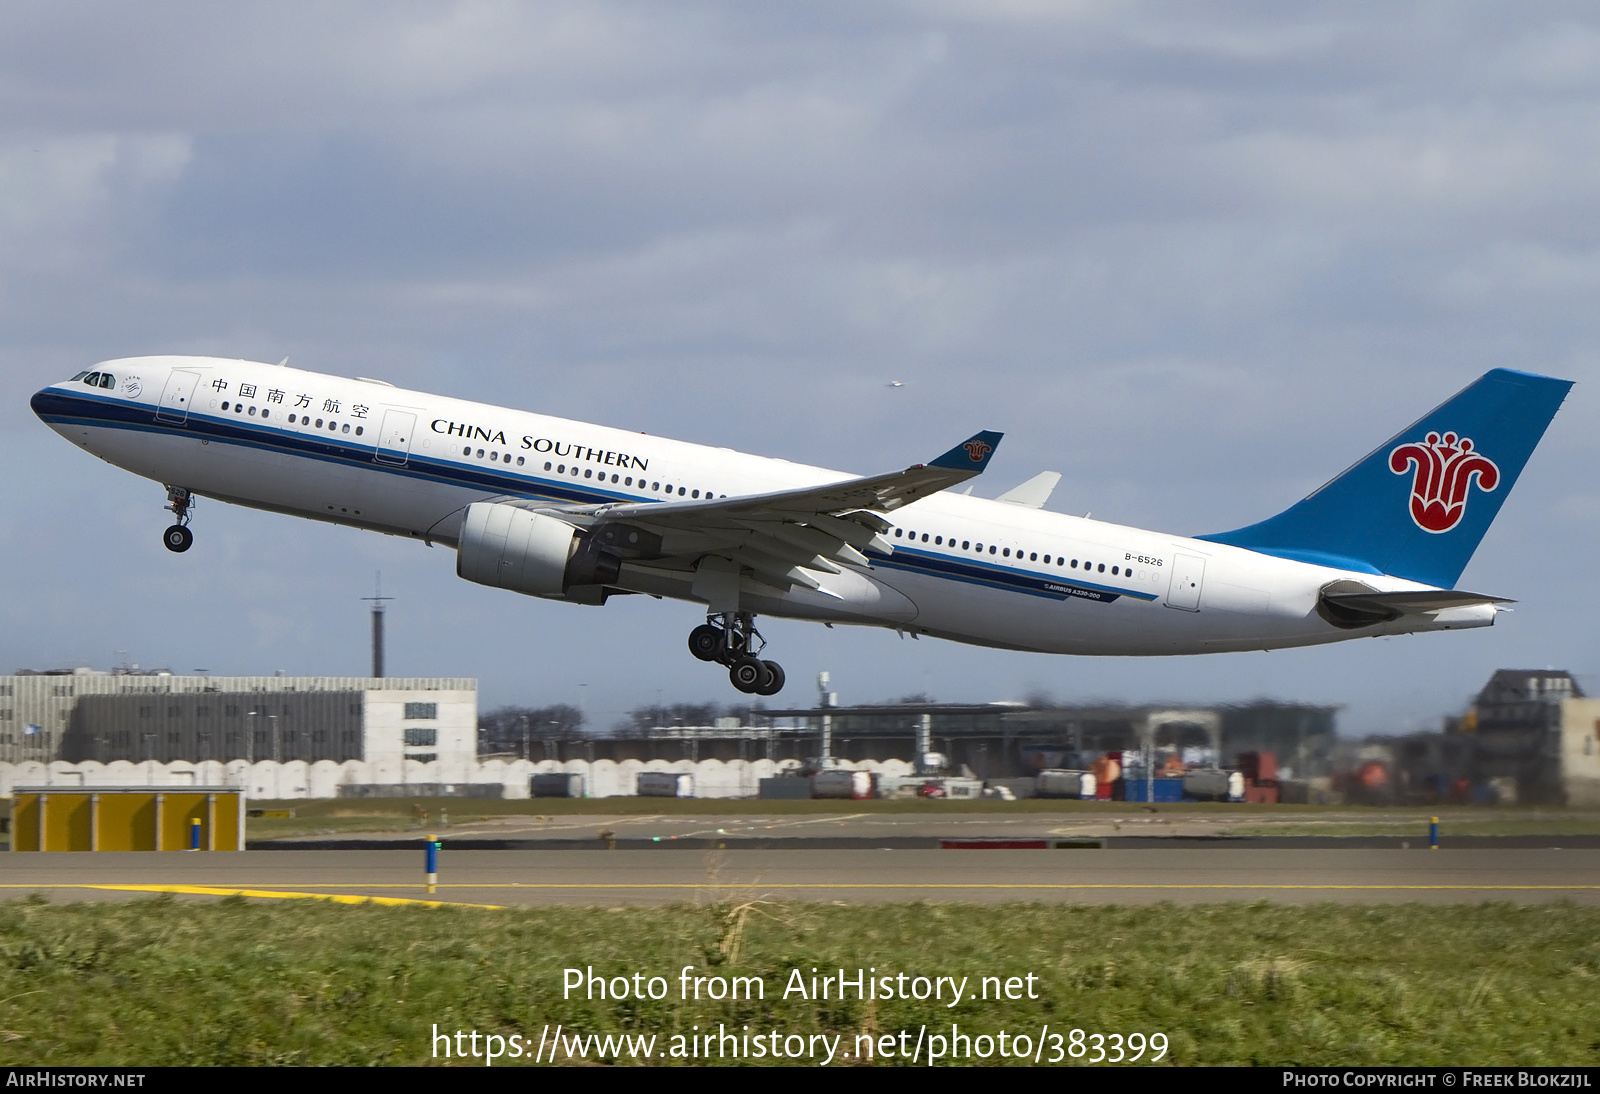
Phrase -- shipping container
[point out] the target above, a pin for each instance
(665, 784)
(1166, 790)
(1058, 783)
(838, 782)
(556, 785)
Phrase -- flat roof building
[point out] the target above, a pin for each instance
(105, 717)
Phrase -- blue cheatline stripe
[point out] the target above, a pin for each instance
(56, 407)
(92, 410)
(993, 577)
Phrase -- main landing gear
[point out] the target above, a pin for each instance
(731, 639)
(180, 502)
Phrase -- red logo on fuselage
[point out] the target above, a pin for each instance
(1445, 467)
(977, 450)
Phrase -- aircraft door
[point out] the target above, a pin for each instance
(176, 396)
(1188, 576)
(394, 437)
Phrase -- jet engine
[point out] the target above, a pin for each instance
(508, 547)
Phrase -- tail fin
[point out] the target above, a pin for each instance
(1418, 506)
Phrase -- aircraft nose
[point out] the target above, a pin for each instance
(49, 404)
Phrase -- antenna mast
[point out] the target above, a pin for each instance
(377, 600)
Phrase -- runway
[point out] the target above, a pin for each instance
(623, 877)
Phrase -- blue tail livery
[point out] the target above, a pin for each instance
(1420, 503)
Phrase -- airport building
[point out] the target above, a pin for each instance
(106, 717)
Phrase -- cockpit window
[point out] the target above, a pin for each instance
(78, 377)
(93, 379)
(107, 380)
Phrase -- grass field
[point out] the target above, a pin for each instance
(231, 982)
(395, 814)
(402, 814)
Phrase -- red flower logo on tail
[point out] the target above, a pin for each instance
(1445, 467)
(977, 450)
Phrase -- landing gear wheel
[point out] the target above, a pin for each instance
(775, 684)
(177, 538)
(748, 674)
(705, 642)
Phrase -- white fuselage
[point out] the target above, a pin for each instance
(366, 454)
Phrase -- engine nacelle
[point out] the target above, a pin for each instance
(508, 547)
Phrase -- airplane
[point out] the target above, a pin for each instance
(570, 511)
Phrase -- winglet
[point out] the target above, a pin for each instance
(970, 455)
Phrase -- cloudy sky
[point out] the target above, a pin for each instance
(1195, 256)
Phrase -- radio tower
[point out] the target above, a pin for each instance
(377, 599)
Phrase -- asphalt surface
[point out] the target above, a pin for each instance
(596, 877)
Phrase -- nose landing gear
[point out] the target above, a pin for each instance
(180, 502)
(731, 639)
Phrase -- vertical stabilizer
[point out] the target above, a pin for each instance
(1419, 504)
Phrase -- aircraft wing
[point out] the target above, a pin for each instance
(789, 536)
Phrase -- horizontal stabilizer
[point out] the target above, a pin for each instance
(1410, 603)
(1365, 607)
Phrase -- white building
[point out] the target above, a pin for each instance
(125, 717)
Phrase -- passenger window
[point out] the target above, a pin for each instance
(358, 428)
(1102, 567)
(466, 451)
(966, 544)
(1074, 564)
(346, 428)
(938, 541)
(547, 465)
(696, 494)
(495, 456)
(224, 404)
(1047, 560)
(680, 491)
(333, 426)
(238, 408)
(520, 459)
(265, 413)
(992, 548)
(628, 481)
(319, 423)
(897, 533)
(1007, 552)
(1034, 557)
(588, 473)
(1115, 571)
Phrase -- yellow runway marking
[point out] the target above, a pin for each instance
(207, 890)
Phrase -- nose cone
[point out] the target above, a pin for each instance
(42, 402)
(52, 406)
